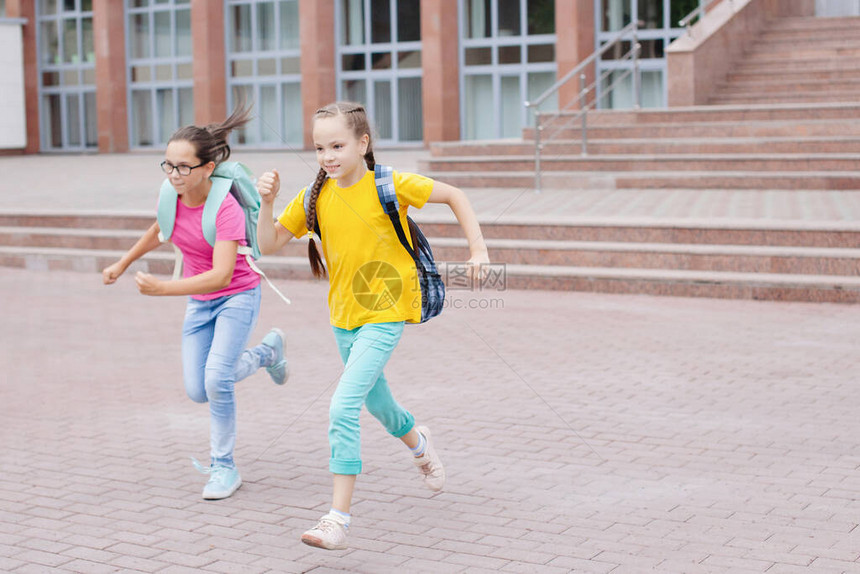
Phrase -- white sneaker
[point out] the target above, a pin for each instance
(429, 464)
(329, 533)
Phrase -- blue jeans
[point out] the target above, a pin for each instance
(365, 351)
(214, 358)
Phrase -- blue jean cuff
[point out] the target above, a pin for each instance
(344, 466)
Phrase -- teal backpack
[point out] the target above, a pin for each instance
(229, 177)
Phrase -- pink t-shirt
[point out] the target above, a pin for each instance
(197, 253)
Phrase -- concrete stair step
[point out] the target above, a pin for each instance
(656, 146)
(816, 73)
(72, 238)
(762, 286)
(778, 111)
(689, 283)
(546, 228)
(782, 38)
(788, 84)
(157, 262)
(811, 67)
(817, 24)
(783, 163)
(803, 54)
(578, 253)
(690, 180)
(678, 256)
(765, 97)
(847, 40)
(728, 129)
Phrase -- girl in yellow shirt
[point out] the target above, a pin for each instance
(373, 291)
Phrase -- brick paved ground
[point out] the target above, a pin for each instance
(581, 433)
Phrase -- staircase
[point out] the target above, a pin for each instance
(788, 118)
(799, 60)
(765, 260)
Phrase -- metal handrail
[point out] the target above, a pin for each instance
(630, 28)
(633, 53)
(685, 22)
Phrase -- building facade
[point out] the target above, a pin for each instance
(119, 75)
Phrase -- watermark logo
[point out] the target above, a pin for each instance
(377, 286)
(458, 276)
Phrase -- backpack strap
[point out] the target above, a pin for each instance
(217, 193)
(384, 178)
(166, 216)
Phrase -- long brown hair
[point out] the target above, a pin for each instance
(356, 119)
(210, 141)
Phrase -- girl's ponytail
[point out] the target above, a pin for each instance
(211, 141)
(317, 266)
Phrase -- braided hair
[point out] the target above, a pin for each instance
(356, 119)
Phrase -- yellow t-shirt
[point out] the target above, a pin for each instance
(372, 278)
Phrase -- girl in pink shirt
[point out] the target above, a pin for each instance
(223, 291)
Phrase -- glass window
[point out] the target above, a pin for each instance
(509, 18)
(163, 45)
(650, 14)
(266, 39)
(159, 57)
(658, 21)
(541, 16)
(383, 108)
(183, 33)
(382, 64)
(50, 42)
(66, 62)
(410, 109)
(241, 26)
(408, 21)
(291, 101)
(139, 32)
(289, 19)
(90, 119)
(478, 19)
(505, 43)
(141, 115)
(355, 90)
(54, 124)
(73, 120)
(353, 22)
(480, 118)
(87, 40)
(512, 103)
(380, 21)
(616, 14)
(71, 54)
(265, 69)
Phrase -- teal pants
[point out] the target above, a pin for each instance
(365, 350)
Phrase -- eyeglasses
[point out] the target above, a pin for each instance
(182, 170)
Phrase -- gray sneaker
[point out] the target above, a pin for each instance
(429, 464)
(279, 370)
